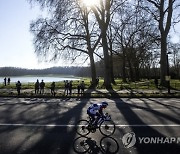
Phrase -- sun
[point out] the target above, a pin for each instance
(90, 2)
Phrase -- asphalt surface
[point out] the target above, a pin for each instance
(48, 126)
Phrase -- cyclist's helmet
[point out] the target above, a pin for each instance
(104, 104)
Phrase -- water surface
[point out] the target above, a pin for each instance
(28, 79)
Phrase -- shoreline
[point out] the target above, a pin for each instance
(92, 93)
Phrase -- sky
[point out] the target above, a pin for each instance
(16, 45)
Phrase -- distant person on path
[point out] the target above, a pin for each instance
(18, 87)
(9, 80)
(78, 88)
(156, 82)
(82, 85)
(97, 82)
(53, 88)
(70, 87)
(37, 87)
(42, 85)
(66, 87)
(5, 81)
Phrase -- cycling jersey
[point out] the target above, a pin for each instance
(94, 108)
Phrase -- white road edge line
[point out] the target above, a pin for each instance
(71, 125)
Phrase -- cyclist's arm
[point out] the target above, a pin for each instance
(101, 111)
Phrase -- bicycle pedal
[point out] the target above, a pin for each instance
(93, 130)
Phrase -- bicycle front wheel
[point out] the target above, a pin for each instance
(82, 127)
(107, 128)
(109, 145)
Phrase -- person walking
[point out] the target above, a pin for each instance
(53, 88)
(9, 80)
(82, 87)
(78, 88)
(37, 87)
(70, 88)
(42, 85)
(156, 82)
(66, 87)
(5, 81)
(18, 87)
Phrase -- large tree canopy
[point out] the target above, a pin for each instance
(68, 34)
(133, 30)
(165, 13)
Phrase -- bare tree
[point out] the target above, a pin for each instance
(135, 36)
(103, 13)
(111, 38)
(165, 13)
(174, 48)
(68, 34)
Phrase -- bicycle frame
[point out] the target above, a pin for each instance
(104, 124)
(101, 119)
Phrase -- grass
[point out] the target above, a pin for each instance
(143, 84)
(131, 86)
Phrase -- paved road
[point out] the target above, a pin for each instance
(47, 126)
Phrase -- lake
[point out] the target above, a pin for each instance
(27, 79)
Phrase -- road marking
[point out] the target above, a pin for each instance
(71, 125)
(160, 109)
(37, 125)
(151, 125)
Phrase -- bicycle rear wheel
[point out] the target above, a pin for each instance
(107, 128)
(82, 127)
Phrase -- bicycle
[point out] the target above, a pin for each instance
(88, 145)
(105, 125)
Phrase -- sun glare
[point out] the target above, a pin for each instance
(90, 2)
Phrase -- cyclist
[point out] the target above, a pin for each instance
(96, 110)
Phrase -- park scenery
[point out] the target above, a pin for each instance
(90, 76)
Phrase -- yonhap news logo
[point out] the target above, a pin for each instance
(130, 139)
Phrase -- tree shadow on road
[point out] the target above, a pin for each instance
(146, 130)
(43, 139)
(59, 140)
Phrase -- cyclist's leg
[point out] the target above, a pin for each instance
(92, 118)
(98, 115)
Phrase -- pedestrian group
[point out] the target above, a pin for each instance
(40, 86)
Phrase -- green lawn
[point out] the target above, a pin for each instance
(143, 84)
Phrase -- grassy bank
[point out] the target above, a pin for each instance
(143, 84)
(143, 88)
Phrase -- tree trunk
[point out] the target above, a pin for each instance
(164, 28)
(93, 70)
(131, 71)
(112, 68)
(107, 72)
(163, 62)
(124, 67)
(137, 78)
